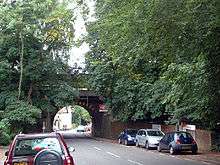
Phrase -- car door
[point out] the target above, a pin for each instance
(122, 136)
(144, 137)
(168, 141)
(138, 136)
(163, 142)
(147, 137)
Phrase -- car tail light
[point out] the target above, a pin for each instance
(193, 141)
(6, 163)
(178, 141)
(68, 161)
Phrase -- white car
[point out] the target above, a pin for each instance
(148, 138)
(80, 129)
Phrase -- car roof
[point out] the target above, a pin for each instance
(37, 135)
(173, 132)
(149, 129)
(128, 129)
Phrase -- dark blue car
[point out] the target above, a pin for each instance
(178, 141)
(127, 137)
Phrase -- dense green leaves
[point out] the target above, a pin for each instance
(157, 60)
(35, 36)
(80, 116)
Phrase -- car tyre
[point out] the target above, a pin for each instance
(41, 157)
(194, 152)
(159, 148)
(172, 151)
(147, 145)
(137, 144)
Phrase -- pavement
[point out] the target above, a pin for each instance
(206, 157)
(2, 154)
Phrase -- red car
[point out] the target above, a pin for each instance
(25, 147)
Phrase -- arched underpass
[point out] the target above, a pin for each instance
(100, 120)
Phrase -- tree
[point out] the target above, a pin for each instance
(157, 60)
(36, 36)
(80, 116)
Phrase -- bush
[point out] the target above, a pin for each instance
(4, 139)
(5, 136)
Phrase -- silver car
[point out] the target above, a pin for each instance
(148, 138)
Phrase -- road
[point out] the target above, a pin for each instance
(94, 152)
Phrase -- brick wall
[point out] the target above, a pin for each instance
(117, 127)
(202, 137)
(168, 128)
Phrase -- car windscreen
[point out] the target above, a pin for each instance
(154, 133)
(25, 147)
(131, 132)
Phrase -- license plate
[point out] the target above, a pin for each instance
(20, 163)
(186, 147)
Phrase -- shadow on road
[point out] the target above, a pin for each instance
(68, 135)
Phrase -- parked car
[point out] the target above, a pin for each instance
(25, 147)
(80, 129)
(178, 141)
(127, 137)
(148, 138)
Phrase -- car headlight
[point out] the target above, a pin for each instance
(129, 137)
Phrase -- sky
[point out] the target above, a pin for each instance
(77, 54)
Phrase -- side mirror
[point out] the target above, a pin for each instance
(6, 153)
(71, 149)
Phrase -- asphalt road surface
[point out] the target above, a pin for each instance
(93, 152)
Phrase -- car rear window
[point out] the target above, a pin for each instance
(154, 133)
(25, 147)
(184, 135)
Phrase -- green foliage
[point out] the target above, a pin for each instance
(46, 27)
(18, 112)
(80, 116)
(157, 60)
(5, 135)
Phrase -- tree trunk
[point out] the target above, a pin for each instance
(48, 122)
(21, 66)
(30, 93)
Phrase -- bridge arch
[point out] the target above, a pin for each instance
(66, 117)
(91, 102)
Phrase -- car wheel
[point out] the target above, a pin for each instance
(172, 151)
(194, 152)
(147, 145)
(119, 141)
(126, 142)
(159, 148)
(42, 156)
(137, 144)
